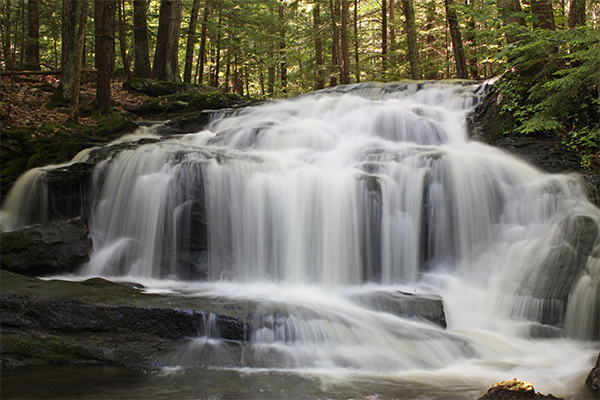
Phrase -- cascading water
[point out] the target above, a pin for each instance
(303, 205)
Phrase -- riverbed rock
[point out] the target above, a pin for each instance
(101, 321)
(53, 248)
(514, 389)
(593, 379)
(427, 307)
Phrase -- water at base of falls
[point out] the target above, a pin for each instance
(300, 206)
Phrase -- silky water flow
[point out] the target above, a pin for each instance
(307, 207)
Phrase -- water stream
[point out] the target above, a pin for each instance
(302, 205)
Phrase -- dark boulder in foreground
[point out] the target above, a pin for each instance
(53, 248)
(98, 321)
(419, 306)
(514, 389)
(593, 379)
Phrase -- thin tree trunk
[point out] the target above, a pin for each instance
(32, 56)
(431, 73)
(7, 48)
(78, 53)
(191, 42)
(392, 22)
(543, 10)
(122, 36)
(345, 77)
(411, 39)
(141, 67)
(576, 13)
(105, 56)
(218, 52)
(202, 53)
(320, 81)
(457, 45)
(271, 73)
(23, 33)
(282, 54)
(356, 43)
(384, 36)
(335, 52)
(98, 10)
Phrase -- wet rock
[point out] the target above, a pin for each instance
(53, 248)
(514, 389)
(593, 379)
(101, 321)
(420, 306)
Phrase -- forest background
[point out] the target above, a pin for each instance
(546, 54)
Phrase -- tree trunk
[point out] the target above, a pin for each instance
(98, 10)
(191, 42)
(282, 54)
(23, 32)
(511, 8)
(172, 67)
(384, 36)
(335, 49)
(576, 13)
(356, 44)
(69, 35)
(32, 55)
(122, 36)
(457, 46)
(104, 59)
(159, 67)
(7, 44)
(345, 77)
(78, 59)
(391, 22)
(411, 39)
(218, 53)
(320, 81)
(141, 67)
(545, 17)
(271, 73)
(202, 53)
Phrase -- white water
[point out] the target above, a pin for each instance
(297, 204)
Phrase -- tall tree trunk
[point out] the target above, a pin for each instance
(384, 36)
(457, 45)
(411, 39)
(335, 49)
(78, 59)
(282, 53)
(431, 73)
(104, 59)
(7, 43)
(191, 42)
(172, 67)
(141, 67)
(576, 13)
(271, 73)
(32, 55)
(202, 53)
(392, 21)
(320, 81)
(98, 10)
(159, 67)
(545, 16)
(471, 43)
(345, 77)
(356, 43)
(23, 33)
(218, 52)
(512, 10)
(122, 36)
(68, 60)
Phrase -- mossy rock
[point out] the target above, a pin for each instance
(212, 100)
(137, 85)
(57, 100)
(111, 124)
(164, 88)
(87, 77)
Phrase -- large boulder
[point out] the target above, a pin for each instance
(593, 379)
(514, 389)
(48, 249)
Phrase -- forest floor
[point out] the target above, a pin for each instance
(24, 99)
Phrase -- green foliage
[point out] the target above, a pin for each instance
(553, 86)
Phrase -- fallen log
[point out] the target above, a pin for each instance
(53, 72)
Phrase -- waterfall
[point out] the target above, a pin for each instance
(363, 186)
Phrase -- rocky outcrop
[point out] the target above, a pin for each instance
(593, 379)
(419, 306)
(115, 324)
(514, 389)
(53, 248)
